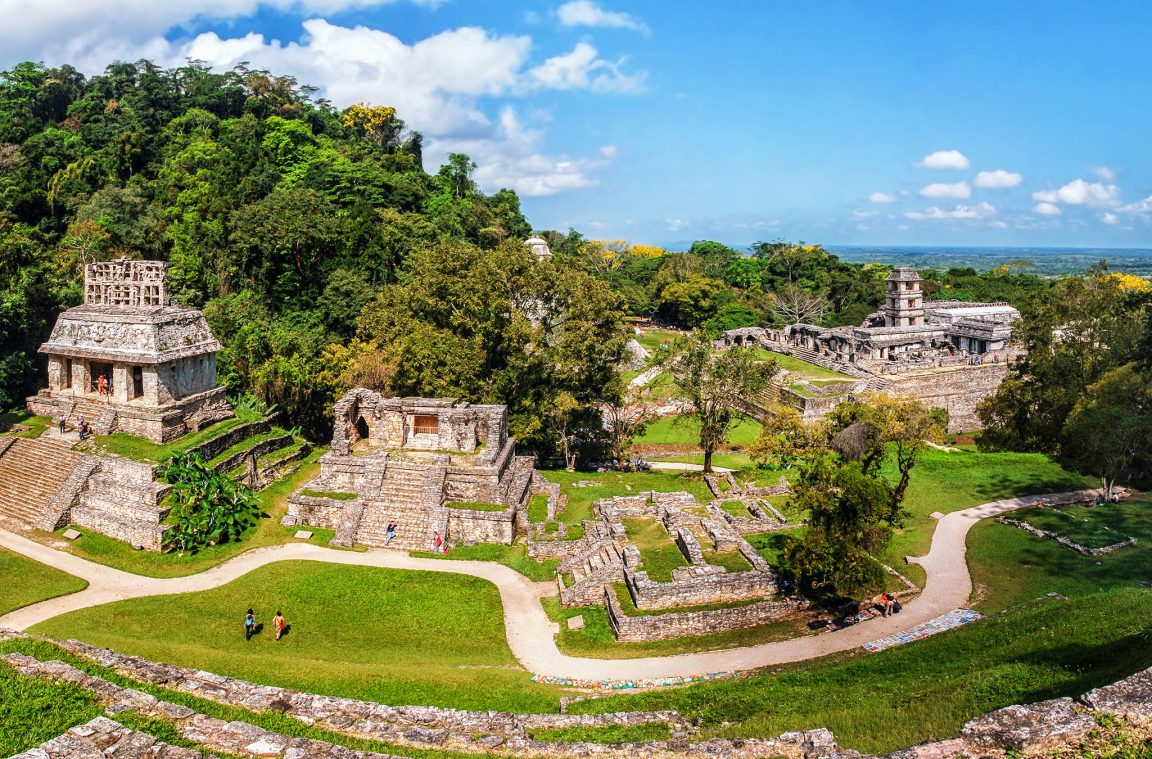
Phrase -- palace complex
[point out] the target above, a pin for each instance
(950, 354)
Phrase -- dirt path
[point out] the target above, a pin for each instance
(530, 633)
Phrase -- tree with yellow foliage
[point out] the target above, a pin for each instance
(378, 123)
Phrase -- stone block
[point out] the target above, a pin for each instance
(71, 534)
(1029, 727)
(303, 535)
(937, 515)
(1130, 698)
(576, 623)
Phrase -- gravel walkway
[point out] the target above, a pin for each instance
(530, 632)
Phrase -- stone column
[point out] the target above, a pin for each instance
(81, 376)
(120, 379)
(55, 373)
(151, 386)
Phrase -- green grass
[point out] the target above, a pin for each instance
(736, 509)
(733, 561)
(328, 494)
(354, 631)
(246, 445)
(1094, 527)
(538, 508)
(269, 720)
(1010, 566)
(659, 554)
(948, 482)
(652, 338)
(597, 641)
(24, 582)
(139, 449)
(611, 484)
(928, 688)
(685, 430)
(476, 506)
(35, 425)
(609, 734)
(516, 557)
(267, 531)
(800, 367)
(33, 711)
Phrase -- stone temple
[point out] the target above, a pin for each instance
(131, 360)
(950, 354)
(427, 465)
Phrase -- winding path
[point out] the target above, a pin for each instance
(530, 632)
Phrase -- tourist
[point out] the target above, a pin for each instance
(390, 533)
(888, 601)
(278, 624)
(102, 385)
(82, 429)
(63, 426)
(437, 542)
(249, 625)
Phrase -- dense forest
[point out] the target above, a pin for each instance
(325, 256)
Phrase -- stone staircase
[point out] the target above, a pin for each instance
(402, 499)
(591, 569)
(31, 474)
(122, 499)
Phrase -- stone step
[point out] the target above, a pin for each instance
(31, 473)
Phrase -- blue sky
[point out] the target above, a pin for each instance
(904, 123)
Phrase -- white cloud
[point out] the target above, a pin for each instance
(675, 225)
(583, 69)
(1139, 208)
(512, 157)
(1109, 218)
(1104, 174)
(881, 197)
(34, 28)
(959, 190)
(608, 151)
(1047, 209)
(959, 213)
(944, 159)
(1079, 192)
(998, 179)
(586, 13)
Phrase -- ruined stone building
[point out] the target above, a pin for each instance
(131, 360)
(407, 461)
(950, 354)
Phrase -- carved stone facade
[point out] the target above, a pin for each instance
(129, 360)
(405, 460)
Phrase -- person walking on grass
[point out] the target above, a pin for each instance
(278, 624)
(249, 625)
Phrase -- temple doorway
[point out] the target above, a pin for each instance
(361, 428)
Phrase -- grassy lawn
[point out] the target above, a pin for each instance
(948, 482)
(335, 496)
(35, 424)
(659, 554)
(515, 557)
(803, 368)
(597, 641)
(397, 637)
(652, 338)
(267, 531)
(685, 430)
(24, 582)
(1010, 566)
(609, 484)
(33, 711)
(1094, 527)
(928, 688)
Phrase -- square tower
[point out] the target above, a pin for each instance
(904, 305)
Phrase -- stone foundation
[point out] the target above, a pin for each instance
(691, 623)
(471, 526)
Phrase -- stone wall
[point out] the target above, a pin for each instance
(210, 449)
(958, 390)
(471, 526)
(682, 624)
(324, 513)
(122, 500)
(708, 588)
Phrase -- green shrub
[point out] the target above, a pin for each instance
(210, 508)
